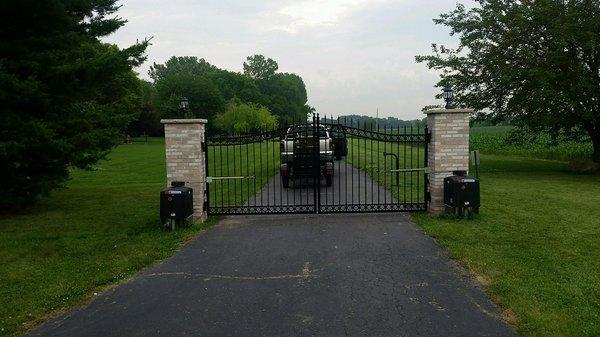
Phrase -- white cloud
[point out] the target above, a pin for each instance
(315, 13)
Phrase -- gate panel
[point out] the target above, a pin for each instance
(384, 169)
(243, 176)
(287, 170)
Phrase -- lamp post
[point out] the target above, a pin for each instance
(184, 106)
(449, 97)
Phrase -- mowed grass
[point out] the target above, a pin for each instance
(535, 245)
(100, 230)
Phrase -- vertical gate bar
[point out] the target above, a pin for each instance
(262, 172)
(228, 169)
(268, 171)
(418, 160)
(365, 164)
(291, 128)
(282, 132)
(221, 164)
(318, 166)
(306, 130)
(278, 181)
(403, 166)
(353, 164)
(206, 174)
(254, 192)
(371, 160)
(385, 137)
(316, 181)
(426, 175)
(247, 180)
(234, 174)
(358, 161)
(378, 170)
(326, 187)
(348, 148)
(411, 163)
(339, 173)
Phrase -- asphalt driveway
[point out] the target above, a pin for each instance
(350, 186)
(315, 275)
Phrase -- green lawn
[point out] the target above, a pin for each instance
(100, 230)
(535, 245)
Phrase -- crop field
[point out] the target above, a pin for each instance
(499, 140)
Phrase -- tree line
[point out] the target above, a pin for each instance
(259, 97)
(376, 123)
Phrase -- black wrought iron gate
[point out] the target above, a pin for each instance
(318, 166)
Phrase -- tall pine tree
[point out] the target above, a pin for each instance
(64, 95)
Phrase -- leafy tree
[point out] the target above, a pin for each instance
(260, 68)
(204, 97)
(189, 65)
(243, 118)
(148, 121)
(64, 95)
(285, 95)
(235, 85)
(536, 63)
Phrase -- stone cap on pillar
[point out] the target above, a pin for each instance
(448, 111)
(184, 121)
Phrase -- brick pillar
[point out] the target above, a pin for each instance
(448, 150)
(185, 158)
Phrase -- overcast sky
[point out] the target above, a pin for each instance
(354, 55)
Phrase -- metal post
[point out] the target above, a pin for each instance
(385, 154)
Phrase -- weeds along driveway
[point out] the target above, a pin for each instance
(314, 275)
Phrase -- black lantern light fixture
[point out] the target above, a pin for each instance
(449, 97)
(184, 106)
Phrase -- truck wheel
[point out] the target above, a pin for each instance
(328, 180)
(285, 181)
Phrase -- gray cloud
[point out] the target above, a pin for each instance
(354, 55)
